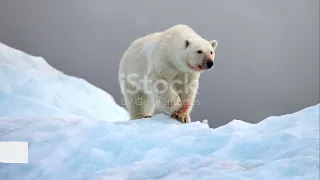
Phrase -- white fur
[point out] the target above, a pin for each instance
(162, 56)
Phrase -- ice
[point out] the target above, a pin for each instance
(29, 86)
(77, 131)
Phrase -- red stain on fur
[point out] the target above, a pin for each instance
(184, 107)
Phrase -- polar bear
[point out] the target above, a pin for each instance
(160, 72)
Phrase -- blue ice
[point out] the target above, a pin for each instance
(77, 131)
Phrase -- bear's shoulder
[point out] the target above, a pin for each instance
(180, 31)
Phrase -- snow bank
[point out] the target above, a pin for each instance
(77, 131)
(29, 86)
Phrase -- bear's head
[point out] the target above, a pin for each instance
(196, 55)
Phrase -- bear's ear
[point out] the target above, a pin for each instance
(187, 43)
(214, 44)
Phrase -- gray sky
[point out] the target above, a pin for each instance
(267, 61)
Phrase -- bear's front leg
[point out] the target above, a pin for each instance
(167, 98)
(170, 101)
(182, 114)
(187, 100)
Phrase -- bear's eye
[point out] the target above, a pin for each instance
(199, 51)
(211, 52)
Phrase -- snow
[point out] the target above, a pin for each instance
(77, 131)
(28, 83)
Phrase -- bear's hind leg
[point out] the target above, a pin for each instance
(139, 106)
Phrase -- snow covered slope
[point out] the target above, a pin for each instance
(77, 131)
(29, 86)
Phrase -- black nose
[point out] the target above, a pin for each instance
(209, 64)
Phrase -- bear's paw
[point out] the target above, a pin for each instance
(184, 118)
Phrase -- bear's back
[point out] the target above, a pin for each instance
(135, 58)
